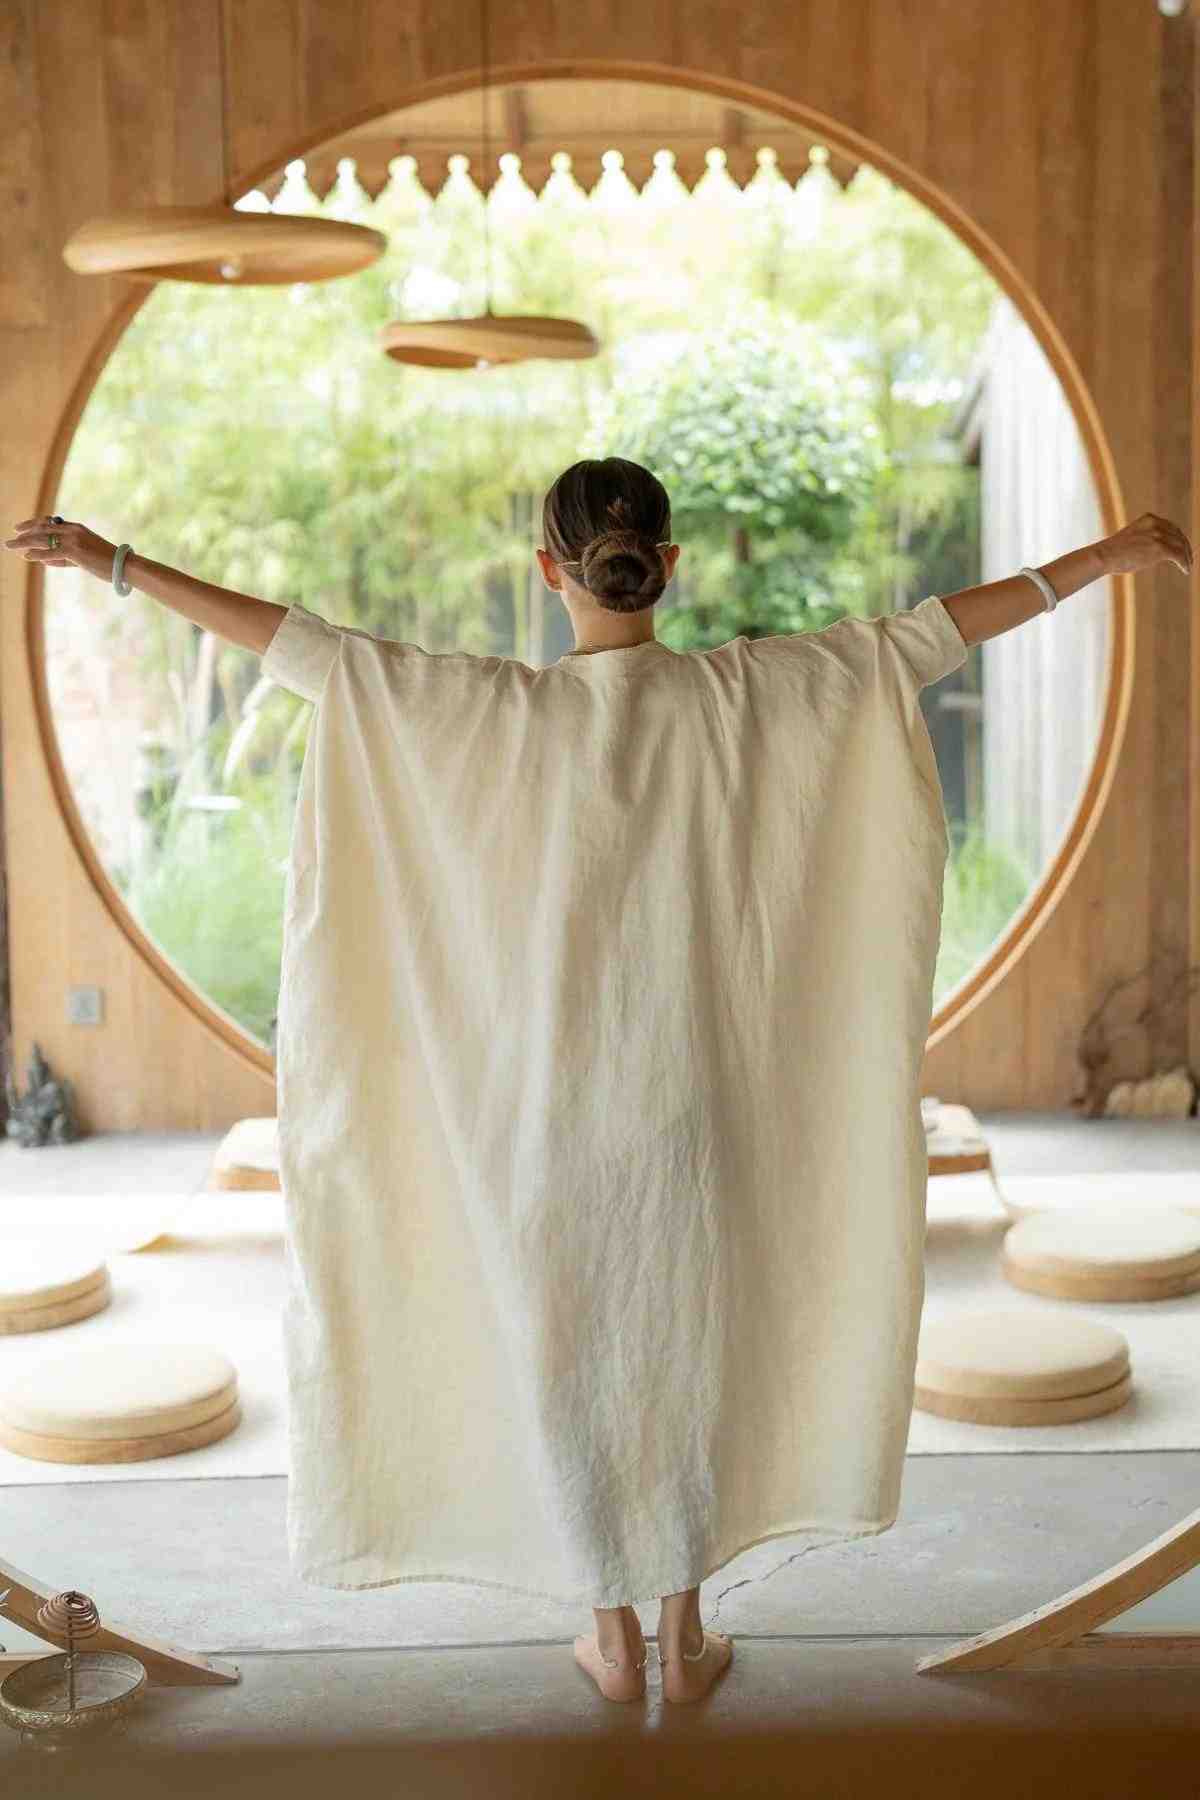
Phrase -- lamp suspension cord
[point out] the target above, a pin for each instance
(486, 150)
(230, 265)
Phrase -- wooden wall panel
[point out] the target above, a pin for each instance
(1056, 129)
(896, 80)
(1169, 597)
(1193, 747)
(25, 264)
(1064, 92)
(153, 1063)
(1121, 256)
(1063, 171)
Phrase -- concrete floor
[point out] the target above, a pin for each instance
(839, 1721)
(431, 1689)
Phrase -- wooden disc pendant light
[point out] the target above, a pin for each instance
(218, 244)
(485, 341)
(221, 245)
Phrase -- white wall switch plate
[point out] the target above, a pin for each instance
(85, 1005)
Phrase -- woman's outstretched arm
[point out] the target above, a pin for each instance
(978, 612)
(239, 618)
(997, 606)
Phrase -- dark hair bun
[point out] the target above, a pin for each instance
(623, 565)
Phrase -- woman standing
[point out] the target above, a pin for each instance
(605, 995)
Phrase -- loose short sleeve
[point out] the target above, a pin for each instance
(926, 639)
(302, 652)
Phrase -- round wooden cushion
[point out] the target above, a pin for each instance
(248, 1155)
(1104, 1254)
(119, 1403)
(1008, 1367)
(43, 1285)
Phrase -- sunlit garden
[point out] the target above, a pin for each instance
(786, 357)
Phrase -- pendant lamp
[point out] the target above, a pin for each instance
(221, 244)
(486, 340)
(217, 244)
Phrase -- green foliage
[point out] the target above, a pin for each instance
(212, 900)
(768, 449)
(984, 887)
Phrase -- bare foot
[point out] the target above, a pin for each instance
(683, 1681)
(627, 1681)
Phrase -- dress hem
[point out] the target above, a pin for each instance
(838, 1533)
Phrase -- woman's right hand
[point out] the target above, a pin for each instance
(76, 546)
(1141, 545)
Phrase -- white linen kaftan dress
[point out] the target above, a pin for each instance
(604, 1000)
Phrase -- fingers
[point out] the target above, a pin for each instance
(1179, 547)
(32, 541)
(34, 535)
(1170, 539)
(74, 546)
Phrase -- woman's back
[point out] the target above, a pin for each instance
(605, 994)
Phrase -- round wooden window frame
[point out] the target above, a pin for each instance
(1048, 892)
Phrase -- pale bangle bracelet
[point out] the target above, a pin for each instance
(1048, 593)
(118, 569)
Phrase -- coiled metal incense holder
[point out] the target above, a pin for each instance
(54, 1701)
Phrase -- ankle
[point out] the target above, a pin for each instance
(619, 1633)
(684, 1631)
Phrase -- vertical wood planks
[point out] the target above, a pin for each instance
(1163, 610)
(24, 260)
(1121, 261)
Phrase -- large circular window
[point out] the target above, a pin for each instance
(847, 412)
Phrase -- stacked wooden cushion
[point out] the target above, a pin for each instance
(119, 1403)
(1006, 1367)
(1105, 1253)
(43, 1285)
(248, 1156)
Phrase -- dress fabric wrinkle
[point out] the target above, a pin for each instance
(603, 1004)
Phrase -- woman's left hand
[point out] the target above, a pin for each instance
(77, 547)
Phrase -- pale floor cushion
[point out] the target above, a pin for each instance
(1110, 1240)
(976, 1409)
(1105, 1254)
(121, 1391)
(44, 1285)
(248, 1155)
(36, 1274)
(1025, 1354)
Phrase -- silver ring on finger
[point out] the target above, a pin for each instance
(54, 540)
